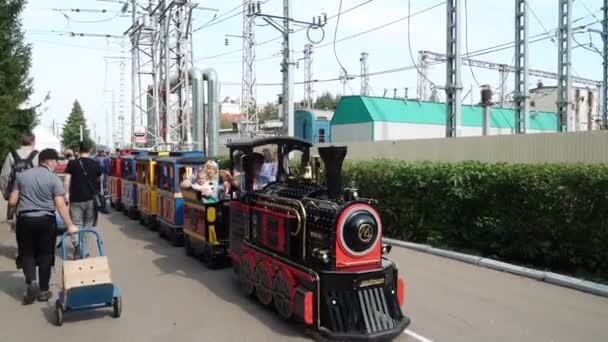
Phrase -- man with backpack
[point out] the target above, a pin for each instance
(23, 158)
(17, 161)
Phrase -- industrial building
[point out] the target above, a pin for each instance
(363, 118)
(585, 113)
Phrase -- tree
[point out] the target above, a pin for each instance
(327, 101)
(269, 112)
(15, 83)
(70, 137)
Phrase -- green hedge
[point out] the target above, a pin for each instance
(545, 216)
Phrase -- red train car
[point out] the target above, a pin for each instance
(115, 183)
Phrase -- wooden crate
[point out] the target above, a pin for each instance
(86, 272)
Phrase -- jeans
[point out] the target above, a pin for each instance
(83, 215)
(36, 245)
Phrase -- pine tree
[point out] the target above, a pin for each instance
(70, 137)
(15, 83)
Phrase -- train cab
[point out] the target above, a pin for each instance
(170, 200)
(147, 200)
(128, 183)
(206, 229)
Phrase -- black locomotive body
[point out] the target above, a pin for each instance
(315, 252)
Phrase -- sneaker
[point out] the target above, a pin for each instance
(44, 296)
(30, 294)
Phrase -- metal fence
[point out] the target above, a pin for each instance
(575, 147)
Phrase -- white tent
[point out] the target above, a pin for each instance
(46, 139)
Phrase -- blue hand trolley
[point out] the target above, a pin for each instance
(87, 283)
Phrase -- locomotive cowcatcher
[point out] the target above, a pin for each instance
(313, 251)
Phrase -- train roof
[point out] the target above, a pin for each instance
(250, 144)
(151, 156)
(174, 157)
(195, 160)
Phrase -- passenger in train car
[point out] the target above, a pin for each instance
(259, 181)
(269, 168)
(207, 187)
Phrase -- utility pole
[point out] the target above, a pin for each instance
(364, 74)
(564, 82)
(604, 92)
(423, 83)
(521, 95)
(287, 68)
(288, 63)
(143, 34)
(453, 87)
(248, 83)
(308, 85)
(504, 73)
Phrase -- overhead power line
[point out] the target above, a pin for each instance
(280, 37)
(213, 21)
(492, 49)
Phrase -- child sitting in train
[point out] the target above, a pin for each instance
(206, 187)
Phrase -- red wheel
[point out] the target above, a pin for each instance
(263, 287)
(246, 273)
(284, 288)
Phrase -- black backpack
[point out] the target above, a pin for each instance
(19, 165)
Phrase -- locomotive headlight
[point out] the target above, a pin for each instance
(360, 230)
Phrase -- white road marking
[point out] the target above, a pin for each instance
(416, 336)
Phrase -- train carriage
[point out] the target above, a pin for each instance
(115, 177)
(314, 251)
(128, 183)
(114, 182)
(169, 173)
(147, 199)
(206, 231)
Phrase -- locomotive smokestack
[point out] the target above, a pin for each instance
(333, 157)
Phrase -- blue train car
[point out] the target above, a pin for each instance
(311, 127)
(168, 174)
(128, 183)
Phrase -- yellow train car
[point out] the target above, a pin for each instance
(206, 233)
(147, 206)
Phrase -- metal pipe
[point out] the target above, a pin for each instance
(213, 93)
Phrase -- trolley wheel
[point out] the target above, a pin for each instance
(58, 313)
(188, 246)
(117, 306)
(175, 238)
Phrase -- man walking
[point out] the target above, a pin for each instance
(36, 194)
(16, 161)
(83, 177)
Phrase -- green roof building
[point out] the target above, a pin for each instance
(363, 118)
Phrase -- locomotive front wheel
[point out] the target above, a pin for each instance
(58, 313)
(263, 288)
(117, 306)
(284, 289)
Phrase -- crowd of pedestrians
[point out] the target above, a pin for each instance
(37, 199)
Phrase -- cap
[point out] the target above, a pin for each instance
(48, 154)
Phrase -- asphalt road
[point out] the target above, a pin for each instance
(168, 296)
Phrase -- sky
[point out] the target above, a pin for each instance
(73, 68)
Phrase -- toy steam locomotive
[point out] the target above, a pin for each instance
(312, 251)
